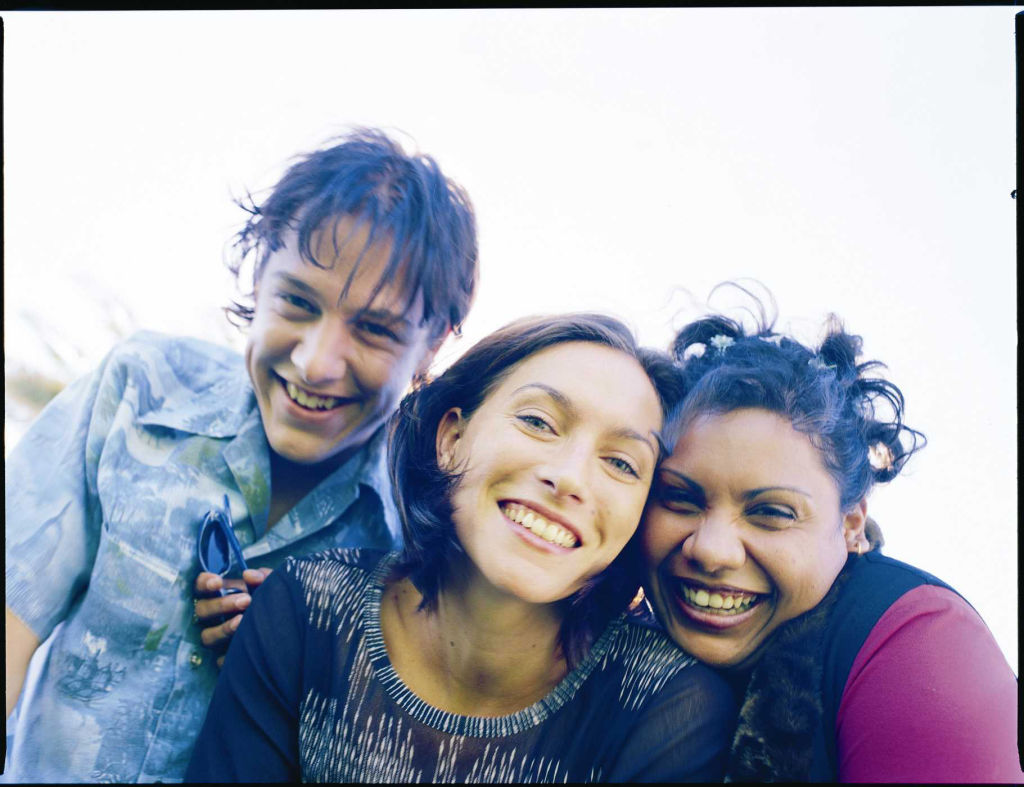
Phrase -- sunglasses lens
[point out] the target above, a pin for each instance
(214, 552)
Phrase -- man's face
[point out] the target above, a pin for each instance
(328, 371)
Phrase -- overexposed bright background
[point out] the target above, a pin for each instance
(854, 160)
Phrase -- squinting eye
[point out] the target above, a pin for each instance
(376, 329)
(298, 302)
(623, 466)
(536, 422)
(678, 500)
(773, 513)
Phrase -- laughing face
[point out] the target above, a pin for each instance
(556, 464)
(327, 371)
(743, 533)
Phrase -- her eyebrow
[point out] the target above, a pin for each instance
(689, 483)
(566, 404)
(752, 493)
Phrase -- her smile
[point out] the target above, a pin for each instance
(544, 527)
(715, 606)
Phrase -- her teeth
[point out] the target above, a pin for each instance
(539, 526)
(722, 602)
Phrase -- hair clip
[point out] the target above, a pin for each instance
(721, 342)
(880, 456)
(818, 363)
(775, 339)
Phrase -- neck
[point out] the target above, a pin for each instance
(479, 653)
(291, 481)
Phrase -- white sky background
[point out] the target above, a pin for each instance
(855, 160)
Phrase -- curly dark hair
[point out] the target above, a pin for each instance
(423, 490)
(402, 198)
(852, 416)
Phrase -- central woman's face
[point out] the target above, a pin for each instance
(743, 532)
(557, 462)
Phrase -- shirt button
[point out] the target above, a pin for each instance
(195, 659)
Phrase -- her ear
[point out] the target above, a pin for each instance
(449, 431)
(854, 521)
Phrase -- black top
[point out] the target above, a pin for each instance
(308, 691)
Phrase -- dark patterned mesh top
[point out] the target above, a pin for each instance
(308, 692)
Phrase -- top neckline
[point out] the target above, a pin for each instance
(453, 723)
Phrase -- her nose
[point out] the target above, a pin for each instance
(565, 472)
(321, 354)
(715, 545)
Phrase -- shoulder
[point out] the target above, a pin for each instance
(189, 358)
(181, 382)
(334, 579)
(652, 664)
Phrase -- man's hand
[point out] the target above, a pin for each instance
(218, 615)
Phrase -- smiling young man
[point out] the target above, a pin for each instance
(364, 259)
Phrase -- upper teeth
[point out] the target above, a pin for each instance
(539, 526)
(725, 602)
(308, 399)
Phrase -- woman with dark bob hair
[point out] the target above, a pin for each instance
(495, 646)
(850, 665)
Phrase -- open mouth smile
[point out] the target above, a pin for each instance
(718, 607)
(310, 401)
(538, 525)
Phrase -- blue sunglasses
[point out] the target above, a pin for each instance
(217, 545)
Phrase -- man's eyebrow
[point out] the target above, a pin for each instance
(566, 404)
(295, 282)
(386, 316)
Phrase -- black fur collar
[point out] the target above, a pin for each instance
(782, 708)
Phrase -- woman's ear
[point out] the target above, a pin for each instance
(449, 431)
(854, 521)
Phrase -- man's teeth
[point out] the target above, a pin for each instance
(539, 526)
(722, 603)
(309, 400)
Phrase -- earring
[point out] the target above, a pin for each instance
(860, 546)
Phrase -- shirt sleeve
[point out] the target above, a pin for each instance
(251, 730)
(929, 698)
(683, 734)
(53, 514)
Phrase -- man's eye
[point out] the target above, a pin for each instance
(536, 423)
(378, 330)
(623, 466)
(298, 302)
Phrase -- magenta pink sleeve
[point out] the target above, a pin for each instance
(930, 698)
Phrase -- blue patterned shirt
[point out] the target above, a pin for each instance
(104, 496)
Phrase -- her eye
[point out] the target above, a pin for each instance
(780, 515)
(536, 423)
(623, 466)
(677, 499)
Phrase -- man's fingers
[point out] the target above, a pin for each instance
(254, 576)
(215, 636)
(207, 608)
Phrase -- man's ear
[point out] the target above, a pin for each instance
(449, 431)
(854, 521)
